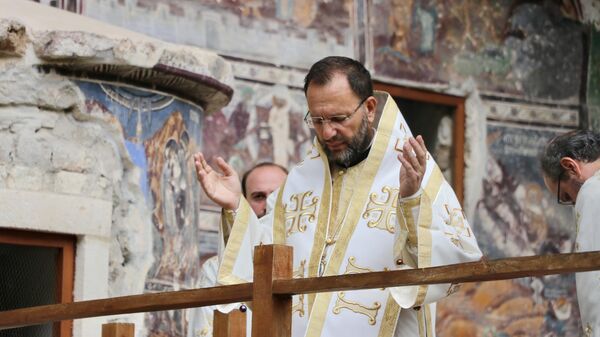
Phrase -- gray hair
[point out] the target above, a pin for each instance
(582, 145)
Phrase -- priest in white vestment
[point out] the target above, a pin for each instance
(571, 167)
(367, 197)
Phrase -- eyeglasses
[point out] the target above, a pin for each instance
(558, 197)
(314, 122)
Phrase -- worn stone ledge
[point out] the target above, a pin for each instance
(82, 47)
(53, 212)
(13, 40)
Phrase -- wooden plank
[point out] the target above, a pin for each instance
(126, 305)
(467, 272)
(65, 283)
(486, 270)
(33, 238)
(65, 274)
(118, 330)
(420, 95)
(271, 314)
(232, 324)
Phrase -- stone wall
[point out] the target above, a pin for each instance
(84, 151)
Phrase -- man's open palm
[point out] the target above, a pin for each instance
(223, 187)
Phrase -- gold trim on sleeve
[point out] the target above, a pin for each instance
(279, 218)
(428, 197)
(232, 249)
(321, 229)
(299, 306)
(390, 318)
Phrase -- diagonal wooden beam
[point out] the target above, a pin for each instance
(468, 272)
(485, 270)
(126, 305)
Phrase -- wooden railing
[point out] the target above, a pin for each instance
(273, 287)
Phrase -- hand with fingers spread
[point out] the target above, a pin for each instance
(414, 163)
(224, 188)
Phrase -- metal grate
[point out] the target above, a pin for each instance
(27, 278)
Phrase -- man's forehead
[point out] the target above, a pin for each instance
(266, 174)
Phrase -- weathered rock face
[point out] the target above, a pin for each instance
(87, 140)
(12, 38)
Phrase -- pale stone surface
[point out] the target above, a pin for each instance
(13, 39)
(75, 41)
(475, 149)
(91, 273)
(6, 146)
(70, 182)
(53, 212)
(22, 84)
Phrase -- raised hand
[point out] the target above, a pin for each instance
(224, 188)
(414, 163)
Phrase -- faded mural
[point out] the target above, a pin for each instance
(294, 33)
(529, 48)
(517, 217)
(262, 123)
(161, 134)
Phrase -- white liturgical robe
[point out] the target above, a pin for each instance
(587, 212)
(344, 221)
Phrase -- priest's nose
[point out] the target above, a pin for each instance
(329, 131)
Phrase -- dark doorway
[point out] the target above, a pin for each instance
(37, 269)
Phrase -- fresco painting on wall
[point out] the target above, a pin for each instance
(161, 134)
(262, 123)
(250, 29)
(75, 6)
(527, 48)
(517, 217)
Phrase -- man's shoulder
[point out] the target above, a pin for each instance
(591, 188)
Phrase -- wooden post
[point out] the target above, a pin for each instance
(232, 324)
(118, 330)
(271, 314)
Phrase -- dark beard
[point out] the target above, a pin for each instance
(357, 149)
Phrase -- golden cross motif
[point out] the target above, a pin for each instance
(352, 268)
(299, 306)
(299, 273)
(370, 312)
(302, 209)
(400, 143)
(456, 220)
(381, 212)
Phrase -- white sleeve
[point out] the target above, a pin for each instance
(588, 239)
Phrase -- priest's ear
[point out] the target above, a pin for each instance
(571, 166)
(371, 105)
